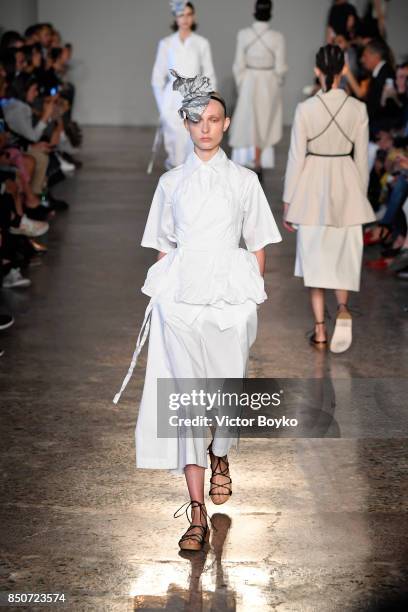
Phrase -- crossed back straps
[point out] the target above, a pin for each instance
(259, 37)
(332, 120)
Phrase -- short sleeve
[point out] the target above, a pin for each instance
(259, 227)
(159, 229)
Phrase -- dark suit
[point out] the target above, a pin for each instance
(381, 117)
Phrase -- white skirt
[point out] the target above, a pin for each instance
(329, 257)
(215, 345)
(258, 117)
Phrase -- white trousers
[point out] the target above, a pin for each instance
(204, 349)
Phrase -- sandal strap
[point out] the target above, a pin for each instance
(194, 504)
(198, 537)
(219, 471)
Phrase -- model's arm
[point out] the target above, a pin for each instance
(261, 257)
(281, 66)
(160, 222)
(207, 64)
(160, 74)
(296, 162)
(258, 227)
(361, 148)
(297, 155)
(160, 254)
(239, 65)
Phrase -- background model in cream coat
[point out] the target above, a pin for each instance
(259, 66)
(324, 190)
(188, 58)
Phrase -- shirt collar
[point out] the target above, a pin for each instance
(377, 69)
(217, 163)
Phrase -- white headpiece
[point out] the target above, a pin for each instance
(177, 7)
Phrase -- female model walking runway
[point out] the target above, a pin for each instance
(189, 54)
(259, 68)
(204, 292)
(325, 195)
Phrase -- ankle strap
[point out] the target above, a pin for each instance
(193, 504)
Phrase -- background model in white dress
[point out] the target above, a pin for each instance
(188, 58)
(326, 189)
(259, 67)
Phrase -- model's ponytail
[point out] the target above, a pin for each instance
(330, 60)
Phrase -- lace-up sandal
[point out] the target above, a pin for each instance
(197, 535)
(342, 335)
(219, 492)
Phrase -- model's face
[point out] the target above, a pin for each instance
(207, 133)
(186, 21)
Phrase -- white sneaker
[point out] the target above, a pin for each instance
(14, 279)
(29, 227)
(65, 166)
(343, 335)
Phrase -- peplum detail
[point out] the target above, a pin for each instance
(207, 277)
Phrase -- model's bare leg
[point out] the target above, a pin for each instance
(317, 299)
(195, 483)
(342, 299)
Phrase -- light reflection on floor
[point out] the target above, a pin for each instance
(202, 581)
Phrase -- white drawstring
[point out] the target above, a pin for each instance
(141, 339)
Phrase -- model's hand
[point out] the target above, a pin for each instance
(286, 224)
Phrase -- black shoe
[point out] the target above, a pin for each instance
(1, 352)
(55, 178)
(40, 213)
(56, 204)
(6, 321)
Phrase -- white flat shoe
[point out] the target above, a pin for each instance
(342, 335)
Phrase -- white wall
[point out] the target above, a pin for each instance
(115, 43)
(17, 14)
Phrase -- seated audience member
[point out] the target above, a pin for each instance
(383, 114)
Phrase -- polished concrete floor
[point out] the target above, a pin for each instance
(313, 525)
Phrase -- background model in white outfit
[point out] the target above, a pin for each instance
(259, 67)
(325, 188)
(189, 54)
